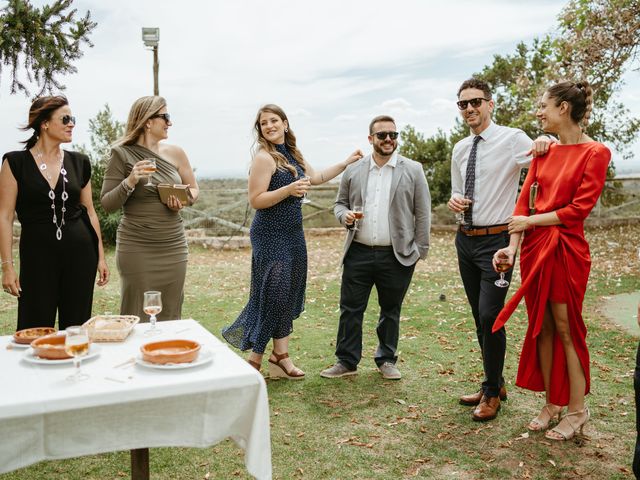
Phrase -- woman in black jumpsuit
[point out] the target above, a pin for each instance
(60, 241)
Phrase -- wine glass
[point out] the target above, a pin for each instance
(304, 195)
(460, 215)
(76, 344)
(150, 169)
(358, 214)
(152, 306)
(502, 265)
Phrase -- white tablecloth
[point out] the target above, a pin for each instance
(44, 416)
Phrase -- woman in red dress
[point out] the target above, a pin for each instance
(560, 190)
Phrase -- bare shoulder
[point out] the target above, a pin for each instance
(262, 159)
(173, 152)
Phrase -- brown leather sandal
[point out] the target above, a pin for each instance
(276, 370)
(255, 365)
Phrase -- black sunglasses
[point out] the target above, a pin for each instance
(475, 102)
(383, 135)
(165, 116)
(68, 118)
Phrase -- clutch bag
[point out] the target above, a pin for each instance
(181, 192)
(533, 193)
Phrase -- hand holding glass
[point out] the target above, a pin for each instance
(150, 169)
(304, 195)
(358, 214)
(460, 215)
(76, 344)
(502, 266)
(152, 306)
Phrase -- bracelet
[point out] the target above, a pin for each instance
(127, 188)
(4, 262)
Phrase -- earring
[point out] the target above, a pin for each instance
(286, 130)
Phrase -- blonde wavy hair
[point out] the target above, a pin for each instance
(262, 143)
(141, 111)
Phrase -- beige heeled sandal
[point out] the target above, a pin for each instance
(567, 428)
(276, 370)
(544, 419)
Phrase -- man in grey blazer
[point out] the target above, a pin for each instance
(383, 248)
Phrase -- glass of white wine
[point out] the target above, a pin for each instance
(150, 169)
(152, 306)
(76, 344)
(304, 196)
(460, 215)
(358, 214)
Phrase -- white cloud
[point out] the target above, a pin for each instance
(332, 66)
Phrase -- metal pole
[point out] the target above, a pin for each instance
(156, 66)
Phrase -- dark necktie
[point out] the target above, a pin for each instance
(470, 180)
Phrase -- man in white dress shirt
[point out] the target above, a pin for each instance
(485, 171)
(384, 248)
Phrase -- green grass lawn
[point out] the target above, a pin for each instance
(363, 427)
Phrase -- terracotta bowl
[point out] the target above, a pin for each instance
(30, 334)
(50, 347)
(170, 351)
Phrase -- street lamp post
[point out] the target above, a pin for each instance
(151, 38)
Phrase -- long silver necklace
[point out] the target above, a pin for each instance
(52, 194)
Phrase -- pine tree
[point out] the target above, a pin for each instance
(42, 42)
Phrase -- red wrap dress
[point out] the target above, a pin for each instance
(555, 260)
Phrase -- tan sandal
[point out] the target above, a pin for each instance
(544, 418)
(567, 428)
(276, 370)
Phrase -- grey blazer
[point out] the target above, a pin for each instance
(409, 211)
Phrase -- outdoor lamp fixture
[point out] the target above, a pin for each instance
(151, 38)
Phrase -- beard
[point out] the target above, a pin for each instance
(379, 150)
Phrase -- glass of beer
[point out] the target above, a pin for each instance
(150, 169)
(502, 265)
(152, 306)
(358, 213)
(76, 344)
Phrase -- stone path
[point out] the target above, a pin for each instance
(623, 310)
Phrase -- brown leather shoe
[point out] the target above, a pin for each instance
(487, 409)
(474, 399)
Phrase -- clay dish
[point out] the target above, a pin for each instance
(170, 351)
(50, 347)
(30, 334)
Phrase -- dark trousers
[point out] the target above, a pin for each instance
(57, 277)
(636, 387)
(365, 267)
(486, 300)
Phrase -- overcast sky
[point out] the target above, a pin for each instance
(332, 65)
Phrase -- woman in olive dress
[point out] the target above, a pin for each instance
(151, 247)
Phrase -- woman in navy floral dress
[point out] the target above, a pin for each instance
(278, 179)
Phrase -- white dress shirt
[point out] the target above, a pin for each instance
(373, 229)
(501, 154)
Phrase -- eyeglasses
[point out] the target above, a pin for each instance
(383, 135)
(475, 103)
(165, 116)
(68, 118)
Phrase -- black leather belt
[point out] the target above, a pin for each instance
(373, 247)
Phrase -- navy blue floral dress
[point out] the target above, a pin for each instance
(278, 270)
